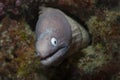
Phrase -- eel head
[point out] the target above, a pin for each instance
(53, 37)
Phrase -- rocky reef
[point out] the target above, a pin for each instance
(16, 49)
(99, 61)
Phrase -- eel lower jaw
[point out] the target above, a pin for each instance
(55, 58)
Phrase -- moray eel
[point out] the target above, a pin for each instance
(58, 36)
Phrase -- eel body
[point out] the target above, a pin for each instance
(58, 36)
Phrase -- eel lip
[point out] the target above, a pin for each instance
(54, 57)
(51, 54)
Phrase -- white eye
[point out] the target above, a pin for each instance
(54, 41)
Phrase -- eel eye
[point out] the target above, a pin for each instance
(54, 41)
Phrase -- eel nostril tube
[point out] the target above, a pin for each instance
(37, 54)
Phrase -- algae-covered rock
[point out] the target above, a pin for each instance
(101, 60)
(17, 53)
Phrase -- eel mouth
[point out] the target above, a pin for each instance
(52, 54)
(54, 57)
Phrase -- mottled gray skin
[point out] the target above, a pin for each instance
(52, 24)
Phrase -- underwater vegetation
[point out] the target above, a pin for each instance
(99, 61)
(16, 48)
(103, 56)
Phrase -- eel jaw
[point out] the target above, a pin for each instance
(56, 57)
